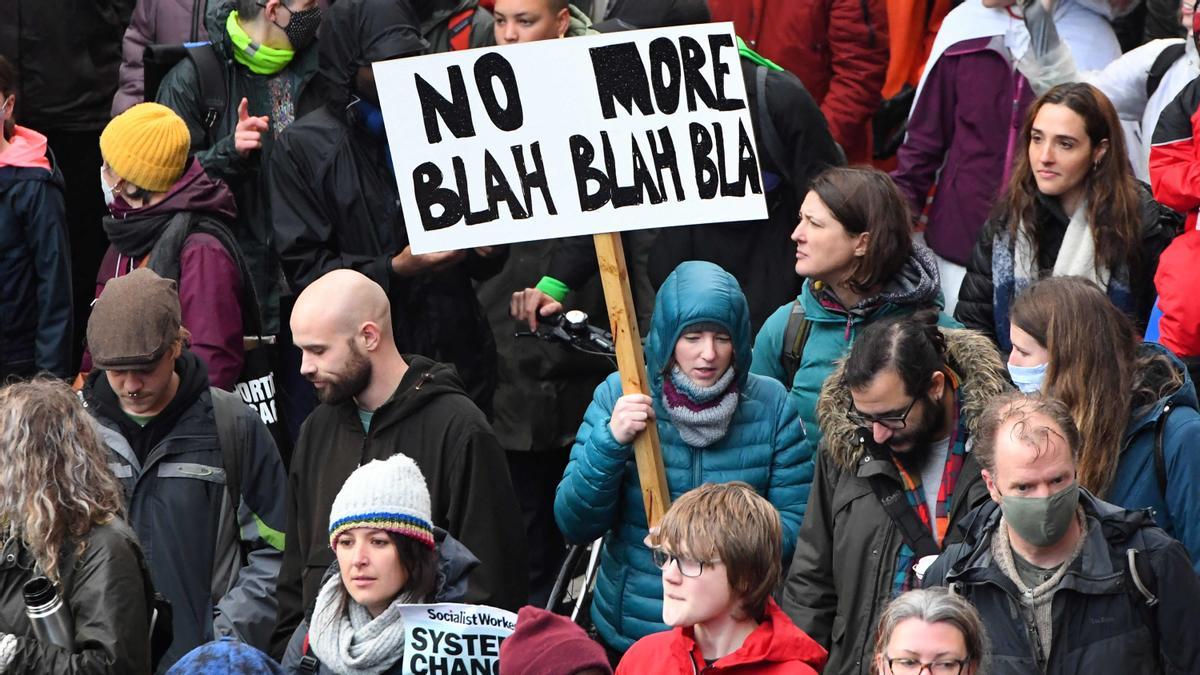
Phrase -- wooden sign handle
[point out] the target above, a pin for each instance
(632, 363)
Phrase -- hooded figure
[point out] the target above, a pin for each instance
(716, 422)
(335, 203)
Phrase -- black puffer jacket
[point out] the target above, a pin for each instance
(1101, 623)
(976, 298)
(335, 205)
(106, 588)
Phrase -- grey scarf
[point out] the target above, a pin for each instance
(345, 637)
(700, 414)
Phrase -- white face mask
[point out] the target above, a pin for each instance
(110, 193)
(1028, 378)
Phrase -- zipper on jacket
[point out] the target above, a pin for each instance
(866, 9)
(1012, 123)
(197, 15)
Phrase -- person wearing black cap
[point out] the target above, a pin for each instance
(335, 201)
(211, 529)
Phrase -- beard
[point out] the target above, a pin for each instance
(353, 379)
(933, 417)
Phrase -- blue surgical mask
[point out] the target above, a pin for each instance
(1028, 378)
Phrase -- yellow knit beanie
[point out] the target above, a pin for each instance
(147, 145)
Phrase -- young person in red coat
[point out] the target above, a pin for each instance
(719, 550)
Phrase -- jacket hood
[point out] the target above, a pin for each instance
(26, 149)
(917, 284)
(777, 640)
(197, 192)
(971, 356)
(424, 381)
(356, 33)
(1164, 385)
(697, 292)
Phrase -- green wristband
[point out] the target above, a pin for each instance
(553, 288)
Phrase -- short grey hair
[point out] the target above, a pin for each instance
(935, 605)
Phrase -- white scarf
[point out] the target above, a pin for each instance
(1076, 256)
(347, 640)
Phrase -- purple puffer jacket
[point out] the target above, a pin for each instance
(966, 123)
(154, 22)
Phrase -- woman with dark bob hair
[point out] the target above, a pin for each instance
(60, 519)
(854, 244)
(1072, 208)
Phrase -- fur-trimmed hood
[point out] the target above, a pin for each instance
(972, 357)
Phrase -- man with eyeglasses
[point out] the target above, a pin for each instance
(1065, 582)
(894, 475)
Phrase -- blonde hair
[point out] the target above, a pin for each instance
(732, 523)
(54, 468)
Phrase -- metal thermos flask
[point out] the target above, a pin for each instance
(50, 616)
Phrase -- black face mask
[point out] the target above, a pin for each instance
(302, 29)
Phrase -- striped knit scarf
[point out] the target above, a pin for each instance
(905, 578)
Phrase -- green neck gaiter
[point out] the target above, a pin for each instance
(260, 59)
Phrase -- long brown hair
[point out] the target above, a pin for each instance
(54, 468)
(866, 200)
(1094, 366)
(1112, 194)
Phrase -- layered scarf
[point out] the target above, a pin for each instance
(939, 522)
(347, 640)
(700, 414)
(1015, 268)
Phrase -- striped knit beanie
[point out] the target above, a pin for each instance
(388, 494)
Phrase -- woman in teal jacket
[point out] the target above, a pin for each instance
(855, 246)
(716, 423)
(1133, 401)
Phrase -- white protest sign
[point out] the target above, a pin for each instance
(566, 137)
(453, 639)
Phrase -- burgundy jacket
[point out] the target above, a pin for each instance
(210, 285)
(838, 49)
(966, 123)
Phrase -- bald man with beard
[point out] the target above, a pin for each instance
(376, 402)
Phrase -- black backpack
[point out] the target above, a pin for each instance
(159, 59)
(1162, 63)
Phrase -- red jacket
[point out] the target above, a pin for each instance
(838, 48)
(776, 647)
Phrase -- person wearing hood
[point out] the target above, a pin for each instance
(453, 25)
(969, 105)
(335, 203)
(389, 555)
(267, 53)
(167, 214)
(719, 550)
(211, 526)
(854, 246)
(1065, 583)
(717, 422)
(895, 476)
(375, 403)
(1072, 208)
(35, 269)
(1134, 402)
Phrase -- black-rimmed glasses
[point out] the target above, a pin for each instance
(687, 566)
(893, 422)
(903, 665)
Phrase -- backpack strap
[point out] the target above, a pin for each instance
(1160, 459)
(895, 504)
(309, 663)
(213, 97)
(795, 336)
(460, 26)
(226, 407)
(766, 126)
(1162, 63)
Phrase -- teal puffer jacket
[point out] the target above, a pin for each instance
(600, 493)
(835, 327)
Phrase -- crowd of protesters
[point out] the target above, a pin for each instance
(934, 414)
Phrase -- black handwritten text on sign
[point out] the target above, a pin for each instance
(566, 137)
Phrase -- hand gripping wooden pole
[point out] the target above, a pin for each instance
(632, 363)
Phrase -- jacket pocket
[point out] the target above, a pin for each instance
(212, 474)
